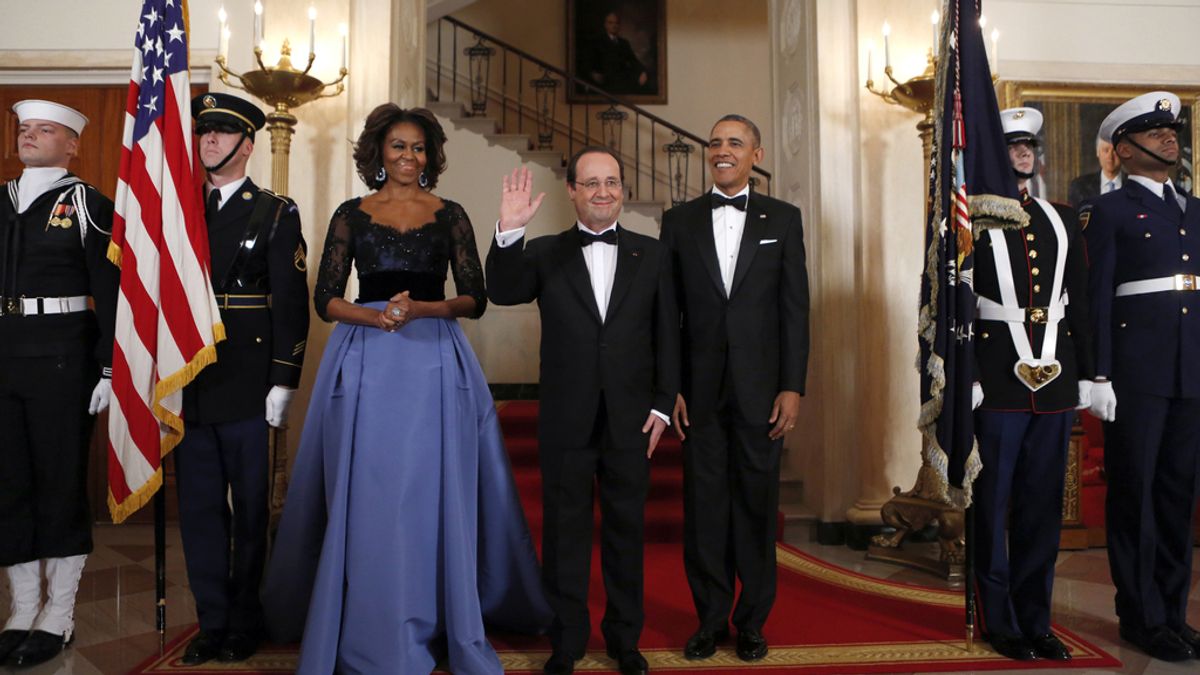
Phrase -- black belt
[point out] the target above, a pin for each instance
(241, 301)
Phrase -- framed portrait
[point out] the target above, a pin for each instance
(1072, 159)
(619, 47)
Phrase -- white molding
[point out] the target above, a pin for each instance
(83, 67)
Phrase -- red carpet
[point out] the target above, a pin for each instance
(826, 619)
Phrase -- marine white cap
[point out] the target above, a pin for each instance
(1021, 125)
(34, 109)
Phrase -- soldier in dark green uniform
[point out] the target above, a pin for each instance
(259, 276)
(55, 365)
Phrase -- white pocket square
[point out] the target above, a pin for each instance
(767, 241)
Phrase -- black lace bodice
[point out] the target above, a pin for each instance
(390, 260)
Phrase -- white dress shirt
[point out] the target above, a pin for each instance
(1107, 185)
(728, 224)
(601, 261)
(226, 191)
(1157, 188)
(34, 182)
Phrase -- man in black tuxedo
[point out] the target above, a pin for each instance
(1110, 177)
(743, 288)
(609, 376)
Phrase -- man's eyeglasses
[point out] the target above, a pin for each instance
(594, 184)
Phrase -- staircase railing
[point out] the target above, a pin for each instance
(524, 93)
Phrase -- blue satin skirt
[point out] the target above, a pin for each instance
(402, 534)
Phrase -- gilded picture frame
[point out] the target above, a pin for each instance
(620, 47)
(1073, 112)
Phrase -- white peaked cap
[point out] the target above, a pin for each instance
(34, 109)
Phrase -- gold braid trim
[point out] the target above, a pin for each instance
(994, 211)
(114, 253)
(136, 500)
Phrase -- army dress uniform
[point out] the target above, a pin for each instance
(58, 294)
(1034, 363)
(260, 280)
(1144, 250)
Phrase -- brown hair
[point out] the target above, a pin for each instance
(573, 163)
(368, 151)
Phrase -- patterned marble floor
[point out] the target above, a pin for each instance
(115, 612)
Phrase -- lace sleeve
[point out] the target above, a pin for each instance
(336, 260)
(464, 259)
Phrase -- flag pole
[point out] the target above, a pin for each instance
(160, 568)
(969, 573)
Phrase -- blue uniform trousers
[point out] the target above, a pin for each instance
(1151, 456)
(225, 552)
(1024, 459)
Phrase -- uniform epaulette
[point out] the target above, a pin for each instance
(269, 193)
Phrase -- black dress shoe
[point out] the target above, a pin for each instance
(559, 663)
(38, 647)
(238, 646)
(1012, 646)
(1189, 635)
(631, 662)
(203, 648)
(1159, 642)
(703, 643)
(751, 645)
(1048, 646)
(9, 641)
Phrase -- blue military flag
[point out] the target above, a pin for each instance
(971, 186)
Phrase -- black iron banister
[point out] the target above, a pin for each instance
(603, 97)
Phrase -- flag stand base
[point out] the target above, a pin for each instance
(907, 513)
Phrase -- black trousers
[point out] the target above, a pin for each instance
(45, 430)
(569, 477)
(225, 552)
(1152, 463)
(731, 505)
(1018, 517)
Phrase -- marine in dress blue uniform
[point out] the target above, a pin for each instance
(1144, 248)
(58, 298)
(1034, 365)
(259, 276)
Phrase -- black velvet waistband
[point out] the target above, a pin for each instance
(383, 285)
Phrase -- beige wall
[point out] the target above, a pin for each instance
(718, 61)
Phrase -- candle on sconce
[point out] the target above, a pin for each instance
(222, 31)
(934, 19)
(887, 52)
(870, 52)
(224, 46)
(995, 53)
(258, 23)
(312, 29)
(345, 31)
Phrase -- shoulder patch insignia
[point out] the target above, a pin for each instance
(300, 260)
(1085, 215)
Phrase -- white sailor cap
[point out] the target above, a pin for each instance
(1148, 111)
(1021, 125)
(34, 109)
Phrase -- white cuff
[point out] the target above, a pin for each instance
(506, 239)
(665, 418)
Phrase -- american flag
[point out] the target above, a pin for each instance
(167, 317)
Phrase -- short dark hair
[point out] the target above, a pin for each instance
(368, 151)
(746, 121)
(573, 164)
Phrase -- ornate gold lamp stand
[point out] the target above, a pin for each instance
(282, 87)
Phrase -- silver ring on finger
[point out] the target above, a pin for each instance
(395, 312)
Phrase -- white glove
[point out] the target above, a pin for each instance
(277, 405)
(1085, 394)
(100, 396)
(976, 395)
(1104, 402)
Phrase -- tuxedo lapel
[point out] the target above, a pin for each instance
(756, 225)
(629, 257)
(707, 244)
(577, 271)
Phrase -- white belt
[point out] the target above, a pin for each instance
(990, 310)
(77, 303)
(1179, 282)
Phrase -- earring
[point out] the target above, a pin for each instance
(422, 180)
(381, 175)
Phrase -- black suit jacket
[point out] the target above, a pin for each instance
(1086, 188)
(995, 353)
(632, 356)
(262, 347)
(760, 331)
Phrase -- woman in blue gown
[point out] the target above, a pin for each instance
(402, 534)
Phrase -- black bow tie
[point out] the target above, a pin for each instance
(587, 238)
(738, 202)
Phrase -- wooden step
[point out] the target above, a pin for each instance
(480, 125)
(518, 142)
(448, 109)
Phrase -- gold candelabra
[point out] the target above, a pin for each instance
(282, 87)
(916, 94)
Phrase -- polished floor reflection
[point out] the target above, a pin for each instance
(115, 613)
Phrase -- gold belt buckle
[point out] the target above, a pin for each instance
(1036, 314)
(13, 307)
(1185, 282)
